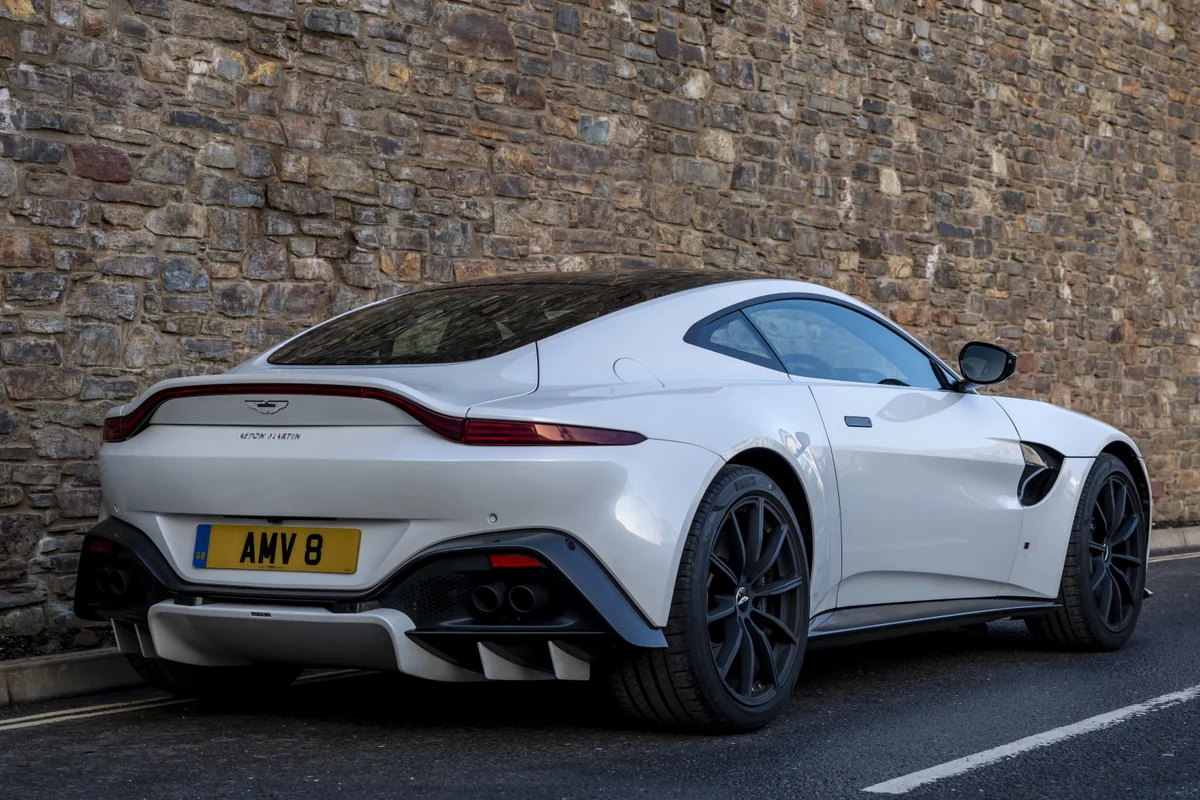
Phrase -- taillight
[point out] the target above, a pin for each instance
(491, 431)
(117, 429)
(456, 429)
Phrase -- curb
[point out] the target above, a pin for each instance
(1169, 541)
(28, 680)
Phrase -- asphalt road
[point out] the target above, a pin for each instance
(860, 717)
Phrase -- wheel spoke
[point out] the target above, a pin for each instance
(1097, 573)
(776, 623)
(1122, 581)
(729, 649)
(764, 651)
(1113, 600)
(737, 548)
(781, 586)
(770, 555)
(1105, 585)
(1102, 528)
(754, 535)
(746, 661)
(724, 569)
(1131, 559)
(1124, 530)
(1097, 547)
(1119, 501)
(1111, 515)
(724, 608)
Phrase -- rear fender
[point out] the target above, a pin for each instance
(785, 421)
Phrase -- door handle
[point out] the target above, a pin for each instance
(858, 422)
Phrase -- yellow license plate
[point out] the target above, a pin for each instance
(276, 548)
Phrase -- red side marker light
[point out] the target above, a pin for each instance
(511, 561)
(100, 546)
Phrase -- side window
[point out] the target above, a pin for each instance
(733, 335)
(815, 339)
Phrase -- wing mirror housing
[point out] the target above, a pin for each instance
(983, 364)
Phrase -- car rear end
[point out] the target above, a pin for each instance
(345, 501)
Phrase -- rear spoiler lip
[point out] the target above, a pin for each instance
(256, 382)
(458, 429)
(137, 415)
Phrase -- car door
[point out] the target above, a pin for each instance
(927, 476)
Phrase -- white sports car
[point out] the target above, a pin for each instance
(673, 482)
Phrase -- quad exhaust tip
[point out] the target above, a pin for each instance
(114, 582)
(488, 597)
(525, 599)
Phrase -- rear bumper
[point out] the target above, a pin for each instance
(407, 490)
(419, 620)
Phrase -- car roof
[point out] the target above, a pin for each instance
(652, 281)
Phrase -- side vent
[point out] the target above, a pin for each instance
(1042, 466)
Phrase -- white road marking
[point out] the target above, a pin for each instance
(913, 780)
(106, 709)
(26, 722)
(1176, 557)
(63, 712)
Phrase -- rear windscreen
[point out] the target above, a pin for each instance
(441, 326)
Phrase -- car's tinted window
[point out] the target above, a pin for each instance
(816, 339)
(473, 321)
(733, 335)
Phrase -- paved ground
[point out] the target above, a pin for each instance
(860, 717)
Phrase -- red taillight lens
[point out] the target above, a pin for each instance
(456, 429)
(118, 429)
(100, 546)
(501, 432)
(512, 561)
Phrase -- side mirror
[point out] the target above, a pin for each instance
(983, 364)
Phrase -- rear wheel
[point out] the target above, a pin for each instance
(1104, 575)
(216, 683)
(739, 618)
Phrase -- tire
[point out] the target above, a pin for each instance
(214, 683)
(682, 687)
(1086, 621)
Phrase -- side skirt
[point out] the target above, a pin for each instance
(867, 623)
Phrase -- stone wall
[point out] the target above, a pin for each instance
(185, 182)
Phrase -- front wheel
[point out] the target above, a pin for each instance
(1104, 575)
(739, 618)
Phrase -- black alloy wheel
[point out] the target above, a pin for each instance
(738, 625)
(1116, 564)
(754, 601)
(1104, 573)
